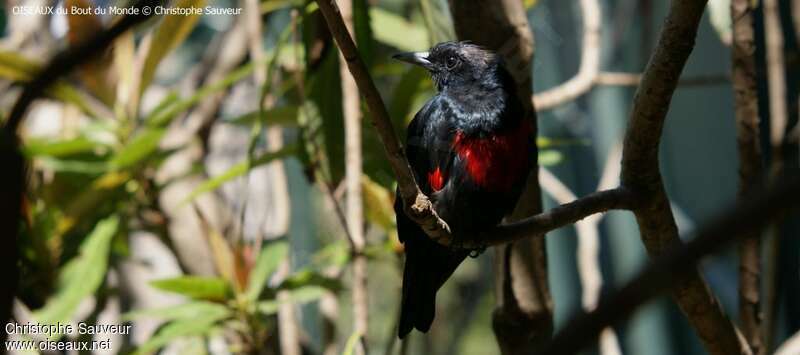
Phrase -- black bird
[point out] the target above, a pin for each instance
(470, 150)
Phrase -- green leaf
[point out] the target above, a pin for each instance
(81, 276)
(304, 278)
(137, 149)
(172, 31)
(238, 170)
(298, 296)
(350, 345)
(378, 205)
(550, 157)
(192, 309)
(18, 68)
(172, 105)
(48, 147)
(322, 119)
(196, 287)
(201, 325)
(74, 166)
(396, 31)
(267, 262)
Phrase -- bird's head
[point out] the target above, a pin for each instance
(457, 65)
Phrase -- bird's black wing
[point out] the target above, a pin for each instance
(428, 264)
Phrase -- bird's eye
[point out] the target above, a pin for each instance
(451, 62)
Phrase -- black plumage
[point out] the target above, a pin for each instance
(470, 150)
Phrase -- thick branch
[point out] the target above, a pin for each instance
(750, 166)
(676, 265)
(640, 172)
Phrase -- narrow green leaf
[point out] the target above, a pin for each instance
(298, 296)
(47, 147)
(81, 276)
(172, 106)
(172, 31)
(437, 20)
(192, 310)
(550, 157)
(394, 30)
(203, 288)
(350, 345)
(201, 325)
(267, 262)
(140, 147)
(74, 166)
(238, 170)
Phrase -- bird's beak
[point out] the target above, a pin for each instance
(416, 58)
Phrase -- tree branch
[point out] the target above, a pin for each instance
(750, 166)
(418, 206)
(587, 74)
(640, 172)
(676, 264)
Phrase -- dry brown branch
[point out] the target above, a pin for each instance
(418, 206)
(586, 77)
(790, 346)
(354, 203)
(776, 69)
(640, 172)
(750, 166)
(588, 252)
(676, 264)
(633, 79)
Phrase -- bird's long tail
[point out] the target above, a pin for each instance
(427, 267)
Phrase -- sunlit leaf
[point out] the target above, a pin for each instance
(394, 30)
(200, 325)
(173, 105)
(239, 170)
(191, 309)
(86, 201)
(18, 68)
(298, 296)
(138, 148)
(203, 288)
(378, 205)
(81, 276)
(171, 32)
(350, 345)
(220, 250)
(550, 157)
(59, 148)
(267, 262)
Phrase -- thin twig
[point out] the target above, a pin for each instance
(583, 81)
(790, 346)
(750, 166)
(354, 202)
(588, 255)
(633, 79)
(675, 265)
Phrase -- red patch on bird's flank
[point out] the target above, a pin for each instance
(436, 179)
(495, 162)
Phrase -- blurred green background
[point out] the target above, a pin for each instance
(189, 181)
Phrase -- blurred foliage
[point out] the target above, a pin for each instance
(94, 183)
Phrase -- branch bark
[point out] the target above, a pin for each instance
(354, 203)
(677, 264)
(750, 166)
(587, 74)
(640, 172)
(418, 206)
